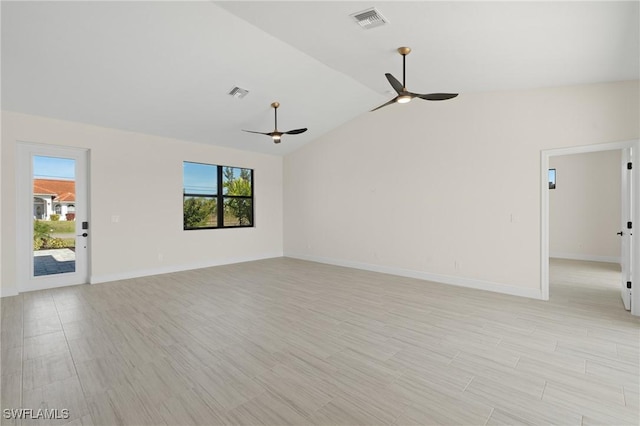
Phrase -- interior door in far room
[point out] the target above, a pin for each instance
(626, 226)
(52, 217)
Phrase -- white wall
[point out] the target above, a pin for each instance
(584, 209)
(448, 191)
(139, 178)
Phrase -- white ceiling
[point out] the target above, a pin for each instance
(164, 68)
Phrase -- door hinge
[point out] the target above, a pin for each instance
(629, 225)
(628, 284)
(629, 165)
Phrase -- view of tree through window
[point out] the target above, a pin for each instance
(206, 204)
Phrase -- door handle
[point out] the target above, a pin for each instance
(84, 234)
(620, 233)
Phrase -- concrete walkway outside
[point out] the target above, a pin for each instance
(55, 261)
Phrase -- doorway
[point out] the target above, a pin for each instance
(53, 221)
(602, 248)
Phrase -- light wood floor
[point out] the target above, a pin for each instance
(284, 341)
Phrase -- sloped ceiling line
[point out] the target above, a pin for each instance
(165, 68)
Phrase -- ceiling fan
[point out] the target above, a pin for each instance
(276, 135)
(404, 95)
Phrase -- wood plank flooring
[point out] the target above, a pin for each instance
(284, 341)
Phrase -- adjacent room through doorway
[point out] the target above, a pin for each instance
(585, 255)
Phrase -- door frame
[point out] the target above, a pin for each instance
(544, 211)
(24, 222)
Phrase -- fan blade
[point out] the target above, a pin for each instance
(437, 96)
(260, 133)
(295, 131)
(392, 101)
(394, 83)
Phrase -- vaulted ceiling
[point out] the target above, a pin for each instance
(165, 68)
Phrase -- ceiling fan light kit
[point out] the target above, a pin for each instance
(404, 95)
(276, 136)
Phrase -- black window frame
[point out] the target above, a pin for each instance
(220, 196)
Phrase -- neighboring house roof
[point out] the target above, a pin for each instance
(63, 190)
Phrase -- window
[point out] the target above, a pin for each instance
(552, 178)
(216, 196)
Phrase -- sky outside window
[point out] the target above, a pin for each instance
(54, 168)
(200, 179)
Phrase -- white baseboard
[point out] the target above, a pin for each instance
(533, 293)
(585, 257)
(96, 279)
(8, 292)
(444, 279)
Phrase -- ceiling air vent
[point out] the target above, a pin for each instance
(369, 18)
(238, 92)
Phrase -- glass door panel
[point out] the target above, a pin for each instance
(54, 227)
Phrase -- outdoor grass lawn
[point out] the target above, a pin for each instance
(61, 226)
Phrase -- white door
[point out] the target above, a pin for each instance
(626, 226)
(53, 221)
